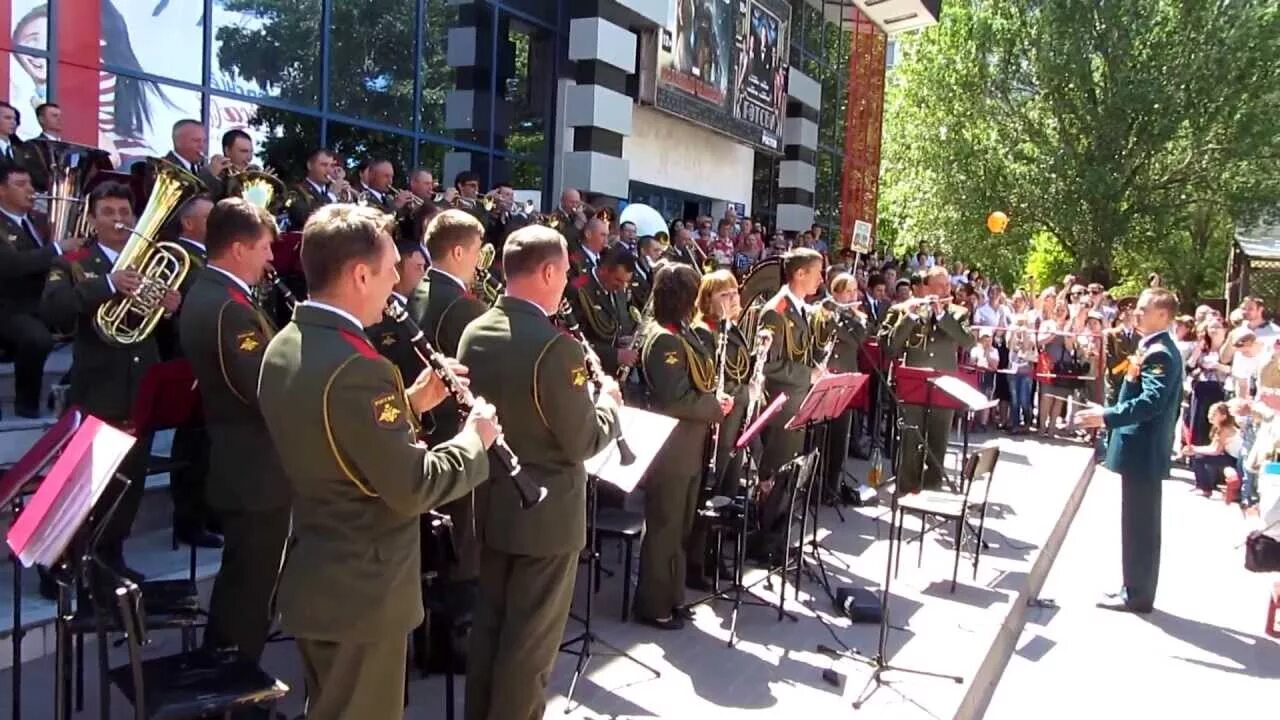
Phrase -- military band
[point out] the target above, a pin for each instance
(839, 328)
(600, 298)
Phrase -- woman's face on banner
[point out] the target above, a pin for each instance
(32, 34)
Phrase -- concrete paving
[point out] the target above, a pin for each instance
(776, 668)
(1202, 653)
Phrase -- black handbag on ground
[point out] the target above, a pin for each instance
(1261, 551)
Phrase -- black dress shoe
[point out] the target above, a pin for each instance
(31, 412)
(199, 538)
(684, 612)
(1116, 603)
(672, 623)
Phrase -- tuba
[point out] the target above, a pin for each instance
(256, 187)
(163, 265)
(70, 167)
(488, 287)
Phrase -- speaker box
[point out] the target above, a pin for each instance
(858, 604)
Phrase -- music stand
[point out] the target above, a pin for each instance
(649, 431)
(827, 399)
(15, 484)
(928, 388)
(737, 588)
(60, 529)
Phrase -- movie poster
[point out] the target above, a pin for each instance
(723, 64)
(134, 116)
(761, 87)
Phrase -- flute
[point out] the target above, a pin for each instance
(530, 493)
(596, 369)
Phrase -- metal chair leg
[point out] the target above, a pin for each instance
(955, 568)
(626, 580)
(79, 662)
(924, 528)
(596, 564)
(977, 550)
(897, 560)
(104, 684)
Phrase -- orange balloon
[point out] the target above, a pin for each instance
(997, 222)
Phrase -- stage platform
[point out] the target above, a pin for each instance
(776, 669)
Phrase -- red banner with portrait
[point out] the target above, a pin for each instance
(860, 184)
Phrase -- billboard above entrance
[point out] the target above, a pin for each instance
(723, 64)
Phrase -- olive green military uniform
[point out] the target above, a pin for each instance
(376, 200)
(690, 255)
(680, 375)
(443, 309)
(641, 284)
(608, 321)
(350, 591)
(392, 345)
(1121, 343)
(104, 377)
(927, 344)
(224, 336)
(844, 331)
(789, 369)
(25, 259)
(537, 378)
(304, 199)
(190, 443)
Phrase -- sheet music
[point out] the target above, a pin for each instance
(646, 433)
(972, 397)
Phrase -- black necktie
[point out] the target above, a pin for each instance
(26, 225)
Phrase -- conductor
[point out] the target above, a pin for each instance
(345, 429)
(1140, 437)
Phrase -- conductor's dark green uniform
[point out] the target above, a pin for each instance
(926, 343)
(1121, 343)
(350, 591)
(443, 307)
(224, 336)
(537, 378)
(1139, 443)
(837, 333)
(788, 369)
(680, 375)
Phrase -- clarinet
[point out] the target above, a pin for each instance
(594, 367)
(722, 350)
(285, 293)
(530, 493)
(759, 355)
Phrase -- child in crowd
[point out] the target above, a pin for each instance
(1225, 448)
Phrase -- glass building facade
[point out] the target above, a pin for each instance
(363, 77)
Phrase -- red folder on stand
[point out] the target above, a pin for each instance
(913, 388)
(39, 455)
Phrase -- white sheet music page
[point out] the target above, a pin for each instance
(646, 433)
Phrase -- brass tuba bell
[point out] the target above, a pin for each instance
(70, 168)
(162, 265)
(256, 187)
(486, 285)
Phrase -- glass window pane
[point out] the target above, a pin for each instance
(162, 39)
(357, 144)
(30, 25)
(437, 76)
(431, 157)
(267, 49)
(282, 141)
(544, 10)
(529, 90)
(826, 198)
(135, 116)
(526, 178)
(371, 60)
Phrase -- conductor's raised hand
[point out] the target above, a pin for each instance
(483, 419)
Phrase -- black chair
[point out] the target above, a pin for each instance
(975, 481)
(626, 527)
(188, 685)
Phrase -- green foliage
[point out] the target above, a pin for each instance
(1135, 133)
(1047, 263)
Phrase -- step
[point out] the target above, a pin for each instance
(55, 368)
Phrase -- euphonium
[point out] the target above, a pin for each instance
(70, 166)
(162, 265)
(486, 285)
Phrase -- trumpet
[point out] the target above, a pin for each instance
(414, 200)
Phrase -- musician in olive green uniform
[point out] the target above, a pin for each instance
(1122, 341)
(838, 329)
(345, 429)
(105, 377)
(790, 366)
(224, 335)
(315, 190)
(537, 376)
(927, 332)
(443, 305)
(384, 334)
(599, 298)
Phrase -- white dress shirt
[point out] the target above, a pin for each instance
(337, 311)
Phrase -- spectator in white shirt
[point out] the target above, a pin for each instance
(994, 312)
(986, 358)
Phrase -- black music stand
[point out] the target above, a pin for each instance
(62, 524)
(16, 483)
(738, 589)
(827, 399)
(933, 389)
(628, 418)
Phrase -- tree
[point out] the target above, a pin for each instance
(1136, 132)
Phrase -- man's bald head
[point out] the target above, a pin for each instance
(569, 198)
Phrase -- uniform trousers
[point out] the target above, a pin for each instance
(240, 606)
(516, 632)
(670, 504)
(187, 484)
(30, 342)
(354, 679)
(1140, 538)
(836, 452)
(937, 432)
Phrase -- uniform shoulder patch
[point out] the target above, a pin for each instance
(386, 410)
(578, 376)
(388, 339)
(55, 275)
(671, 357)
(248, 341)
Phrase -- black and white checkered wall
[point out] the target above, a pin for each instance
(797, 172)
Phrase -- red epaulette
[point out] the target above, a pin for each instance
(239, 297)
(360, 343)
(673, 329)
(76, 255)
(710, 325)
(581, 281)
